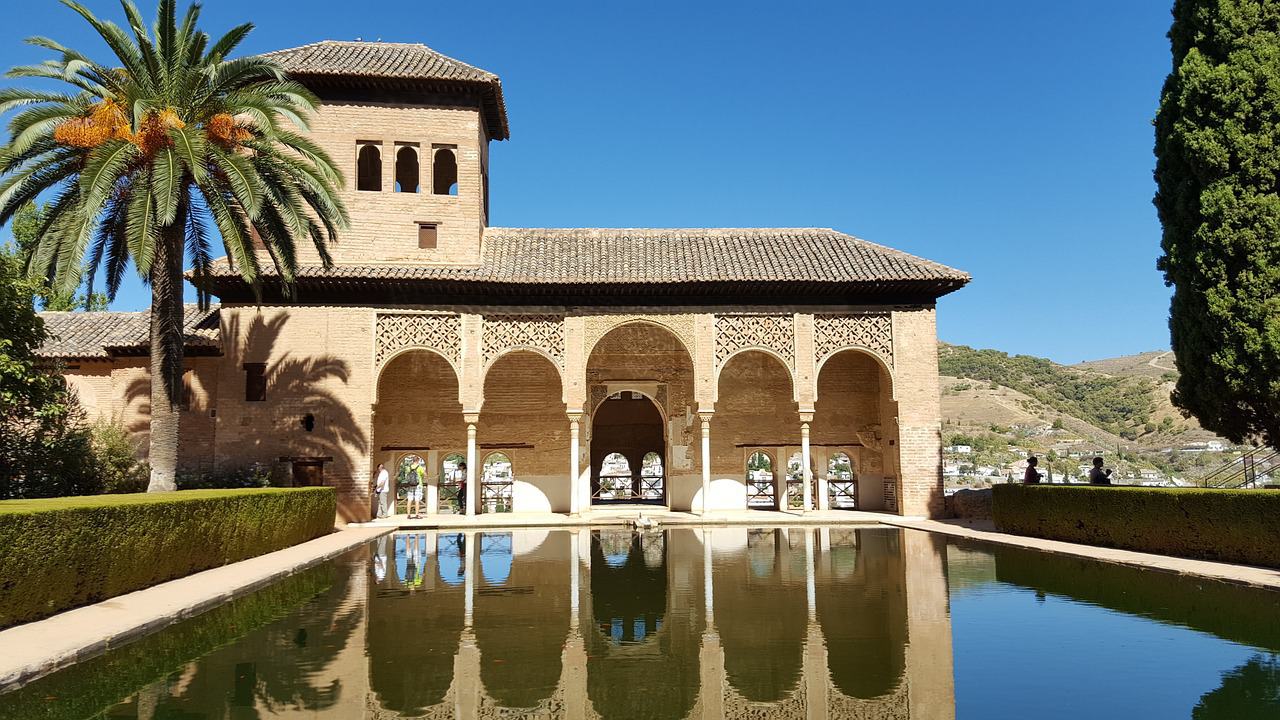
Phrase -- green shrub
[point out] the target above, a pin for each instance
(61, 553)
(1239, 526)
(254, 475)
(116, 459)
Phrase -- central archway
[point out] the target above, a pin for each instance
(628, 444)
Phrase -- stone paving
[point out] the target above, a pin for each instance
(39, 648)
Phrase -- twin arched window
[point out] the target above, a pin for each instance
(407, 170)
(444, 172)
(369, 168)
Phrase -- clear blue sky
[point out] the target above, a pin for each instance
(1011, 139)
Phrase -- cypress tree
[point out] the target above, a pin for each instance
(1217, 171)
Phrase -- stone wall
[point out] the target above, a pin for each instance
(382, 383)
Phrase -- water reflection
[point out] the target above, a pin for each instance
(684, 623)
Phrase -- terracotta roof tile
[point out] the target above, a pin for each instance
(596, 256)
(106, 334)
(415, 63)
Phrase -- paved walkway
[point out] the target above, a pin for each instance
(627, 514)
(985, 531)
(39, 648)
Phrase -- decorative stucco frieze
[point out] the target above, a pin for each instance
(866, 331)
(775, 333)
(543, 333)
(681, 325)
(405, 331)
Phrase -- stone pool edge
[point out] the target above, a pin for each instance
(983, 531)
(40, 648)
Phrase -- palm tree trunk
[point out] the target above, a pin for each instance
(166, 356)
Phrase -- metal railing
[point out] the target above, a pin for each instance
(643, 488)
(1244, 471)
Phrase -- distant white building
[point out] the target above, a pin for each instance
(959, 449)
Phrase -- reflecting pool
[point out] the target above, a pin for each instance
(696, 623)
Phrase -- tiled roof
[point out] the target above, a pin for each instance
(377, 59)
(386, 61)
(601, 257)
(107, 334)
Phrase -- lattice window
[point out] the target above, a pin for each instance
(442, 333)
(543, 332)
(873, 331)
(770, 332)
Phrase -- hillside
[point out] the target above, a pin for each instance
(1011, 405)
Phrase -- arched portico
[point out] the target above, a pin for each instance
(855, 416)
(417, 414)
(640, 383)
(523, 419)
(755, 415)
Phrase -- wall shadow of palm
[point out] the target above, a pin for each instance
(304, 414)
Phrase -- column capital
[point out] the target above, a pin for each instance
(705, 416)
(575, 417)
(806, 418)
(471, 418)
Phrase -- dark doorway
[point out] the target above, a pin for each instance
(308, 473)
(628, 452)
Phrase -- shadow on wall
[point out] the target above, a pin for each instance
(303, 414)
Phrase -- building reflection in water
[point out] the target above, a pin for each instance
(682, 623)
(592, 623)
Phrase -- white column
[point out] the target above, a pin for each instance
(810, 586)
(473, 490)
(708, 589)
(806, 472)
(575, 496)
(706, 461)
(469, 579)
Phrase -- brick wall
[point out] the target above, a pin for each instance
(384, 225)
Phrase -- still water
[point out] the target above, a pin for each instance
(696, 623)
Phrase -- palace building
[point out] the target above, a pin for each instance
(552, 369)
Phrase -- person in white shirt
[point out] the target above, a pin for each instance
(381, 486)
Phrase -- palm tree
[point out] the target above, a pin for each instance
(140, 154)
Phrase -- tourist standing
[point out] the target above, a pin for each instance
(381, 485)
(415, 491)
(462, 488)
(1098, 476)
(1032, 475)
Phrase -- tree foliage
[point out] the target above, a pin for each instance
(45, 449)
(26, 225)
(143, 153)
(1217, 169)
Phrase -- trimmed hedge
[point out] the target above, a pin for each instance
(1238, 526)
(87, 688)
(61, 553)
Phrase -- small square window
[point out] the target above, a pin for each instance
(426, 236)
(255, 382)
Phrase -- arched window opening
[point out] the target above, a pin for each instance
(444, 172)
(410, 473)
(369, 168)
(760, 490)
(615, 478)
(496, 484)
(453, 471)
(407, 170)
(795, 482)
(652, 477)
(842, 482)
